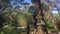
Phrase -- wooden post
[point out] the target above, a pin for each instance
(28, 28)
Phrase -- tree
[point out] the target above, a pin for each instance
(42, 20)
(4, 4)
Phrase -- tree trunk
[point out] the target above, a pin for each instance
(43, 23)
(27, 28)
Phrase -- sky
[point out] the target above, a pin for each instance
(55, 10)
(29, 1)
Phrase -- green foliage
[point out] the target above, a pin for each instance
(15, 19)
(12, 31)
(23, 18)
(2, 20)
(58, 24)
(49, 25)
